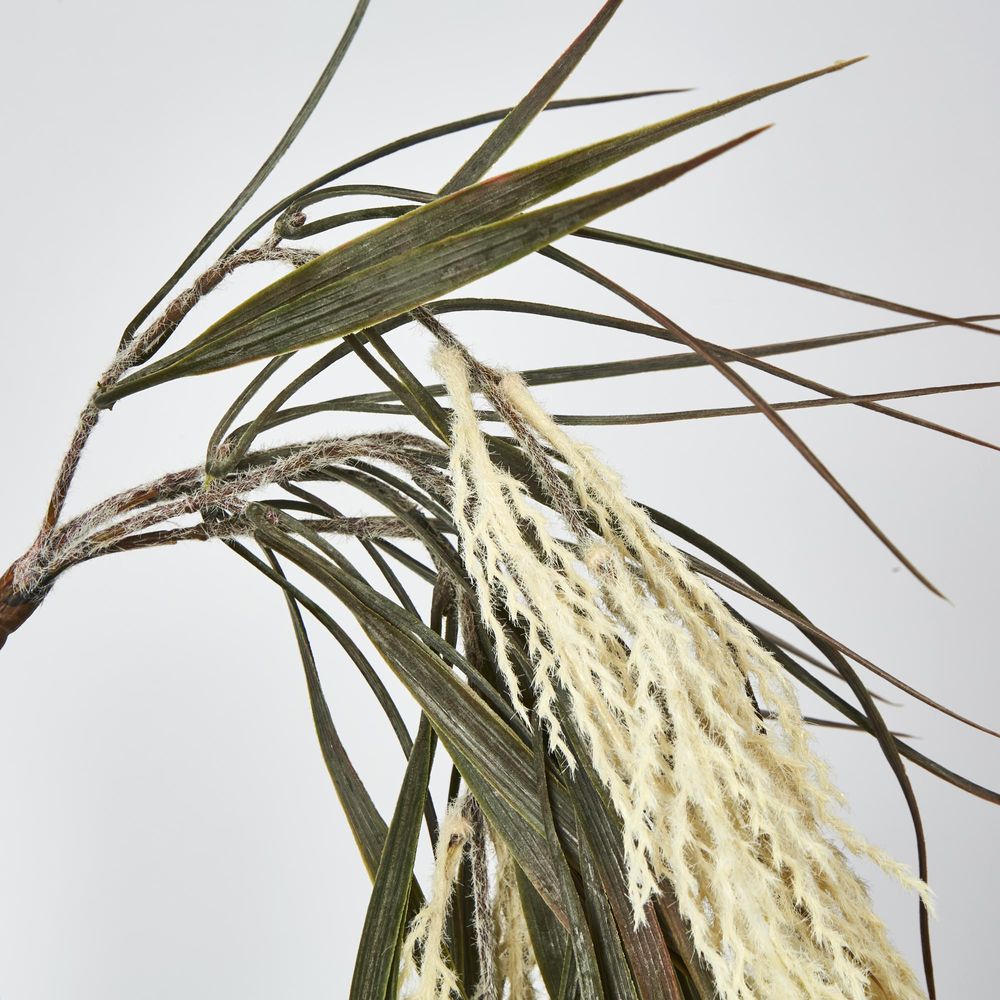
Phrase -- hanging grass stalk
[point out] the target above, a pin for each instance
(515, 958)
(503, 942)
(483, 895)
(670, 691)
(425, 961)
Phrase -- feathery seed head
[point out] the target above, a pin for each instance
(669, 692)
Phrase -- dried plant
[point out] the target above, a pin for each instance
(636, 810)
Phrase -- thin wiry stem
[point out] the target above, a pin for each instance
(139, 348)
(305, 112)
(23, 585)
(191, 491)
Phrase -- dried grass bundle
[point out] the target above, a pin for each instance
(536, 596)
(668, 687)
(425, 961)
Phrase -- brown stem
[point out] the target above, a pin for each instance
(15, 608)
(15, 605)
(144, 345)
(88, 420)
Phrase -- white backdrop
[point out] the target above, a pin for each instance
(168, 829)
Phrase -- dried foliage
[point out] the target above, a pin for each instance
(636, 811)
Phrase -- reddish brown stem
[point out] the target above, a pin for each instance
(15, 608)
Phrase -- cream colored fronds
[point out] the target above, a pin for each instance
(669, 691)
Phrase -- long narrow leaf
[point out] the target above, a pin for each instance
(611, 956)
(378, 947)
(499, 197)
(580, 938)
(549, 938)
(290, 202)
(493, 760)
(367, 826)
(394, 286)
(527, 109)
(272, 416)
(262, 173)
(654, 246)
(707, 351)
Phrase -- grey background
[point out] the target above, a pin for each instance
(167, 827)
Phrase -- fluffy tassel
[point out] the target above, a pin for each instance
(664, 683)
(515, 959)
(507, 961)
(425, 962)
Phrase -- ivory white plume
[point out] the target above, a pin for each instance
(427, 973)
(670, 692)
(507, 962)
(515, 959)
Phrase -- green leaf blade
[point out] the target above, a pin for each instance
(393, 286)
(378, 948)
(534, 102)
